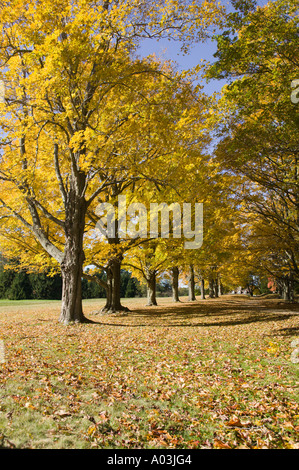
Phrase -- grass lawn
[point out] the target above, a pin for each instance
(208, 374)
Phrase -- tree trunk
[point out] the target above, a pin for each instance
(113, 301)
(175, 284)
(151, 289)
(219, 287)
(191, 284)
(202, 289)
(108, 290)
(288, 289)
(73, 259)
(71, 309)
(211, 288)
(285, 290)
(291, 288)
(279, 288)
(216, 287)
(115, 267)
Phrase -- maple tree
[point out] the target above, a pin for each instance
(147, 262)
(175, 272)
(70, 75)
(221, 232)
(173, 148)
(85, 122)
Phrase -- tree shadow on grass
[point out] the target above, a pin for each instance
(292, 331)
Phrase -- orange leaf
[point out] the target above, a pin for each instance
(220, 445)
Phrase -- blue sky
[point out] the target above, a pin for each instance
(165, 49)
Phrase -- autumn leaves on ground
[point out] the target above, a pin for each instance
(208, 374)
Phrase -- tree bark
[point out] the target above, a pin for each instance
(291, 288)
(216, 287)
(220, 289)
(288, 289)
(175, 284)
(211, 288)
(202, 289)
(191, 284)
(73, 258)
(151, 289)
(71, 308)
(285, 290)
(109, 288)
(113, 301)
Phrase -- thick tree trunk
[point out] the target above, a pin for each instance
(72, 263)
(216, 287)
(108, 290)
(291, 289)
(191, 284)
(285, 290)
(71, 309)
(115, 301)
(288, 289)
(211, 288)
(220, 288)
(151, 289)
(279, 288)
(175, 284)
(202, 289)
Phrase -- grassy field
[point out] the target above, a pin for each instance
(208, 374)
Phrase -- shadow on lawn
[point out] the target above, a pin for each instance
(209, 313)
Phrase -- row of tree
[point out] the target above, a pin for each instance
(257, 126)
(19, 285)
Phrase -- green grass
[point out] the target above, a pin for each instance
(11, 303)
(209, 374)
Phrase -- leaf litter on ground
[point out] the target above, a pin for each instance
(208, 374)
